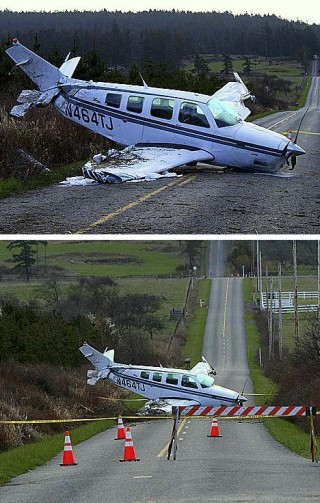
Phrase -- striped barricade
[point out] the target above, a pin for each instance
(237, 411)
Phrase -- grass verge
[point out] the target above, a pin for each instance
(288, 434)
(13, 186)
(304, 94)
(26, 457)
(196, 324)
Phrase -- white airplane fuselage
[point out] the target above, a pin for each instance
(169, 384)
(131, 115)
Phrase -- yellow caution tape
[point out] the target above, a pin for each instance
(123, 399)
(114, 418)
(78, 420)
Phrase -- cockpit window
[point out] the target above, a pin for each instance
(188, 382)
(222, 113)
(205, 380)
(193, 115)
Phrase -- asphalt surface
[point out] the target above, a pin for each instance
(245, 465)
(205, 200)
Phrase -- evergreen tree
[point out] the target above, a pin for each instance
(55, 57)
(227, 65)
(26, 256)
(201, 68)
(247, 67)
(36, 43)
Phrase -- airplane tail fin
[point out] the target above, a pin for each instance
(101, 362)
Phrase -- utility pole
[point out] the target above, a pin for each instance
(318, 281)
(258, 268)
(253, 271)
(296, 314)
(260, 279)
(267, 293)
(280, 310)
(271, 343)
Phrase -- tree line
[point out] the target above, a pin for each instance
(51, 327)
(122, 38)
(242, 253)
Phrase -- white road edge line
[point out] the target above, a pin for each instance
(143, 477)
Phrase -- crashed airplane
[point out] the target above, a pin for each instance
(175, 387)
(165, 128)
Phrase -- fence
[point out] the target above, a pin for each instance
(287, 301)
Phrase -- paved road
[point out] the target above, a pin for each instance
(204, 201)
(245, 465)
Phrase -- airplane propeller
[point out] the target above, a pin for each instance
(292, 150)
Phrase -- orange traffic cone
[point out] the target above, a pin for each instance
(129, 454)
(214, 430)
(68, 457)
(121, 434)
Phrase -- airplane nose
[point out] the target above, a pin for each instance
(295, 149)
(241, 399)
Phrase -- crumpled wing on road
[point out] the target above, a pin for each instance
(235, 94)
(164, 406)
(141, 163)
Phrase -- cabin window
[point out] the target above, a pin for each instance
(135, 104)
(223, 114)
(193, 115)
(188, 382)
(157, 376)
(144, 374)
(172, 378)
(162, 108)
(205, 380)
(113, 100)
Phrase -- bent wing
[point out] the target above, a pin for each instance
(235, 94)
(141, 163)
(203, 367)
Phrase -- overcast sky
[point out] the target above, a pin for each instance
(306, 10)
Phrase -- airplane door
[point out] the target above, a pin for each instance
(156, 379)
(131, 123)
(193, 126)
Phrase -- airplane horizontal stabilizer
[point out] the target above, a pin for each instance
(30, 99)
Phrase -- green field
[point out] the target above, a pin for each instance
(105, 258)
(282, 68)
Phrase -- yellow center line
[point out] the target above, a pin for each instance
(165, 449)
(300, 132)
(282, 120)
(142, 199)
(225, 322)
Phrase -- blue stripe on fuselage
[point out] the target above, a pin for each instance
(174, 129)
